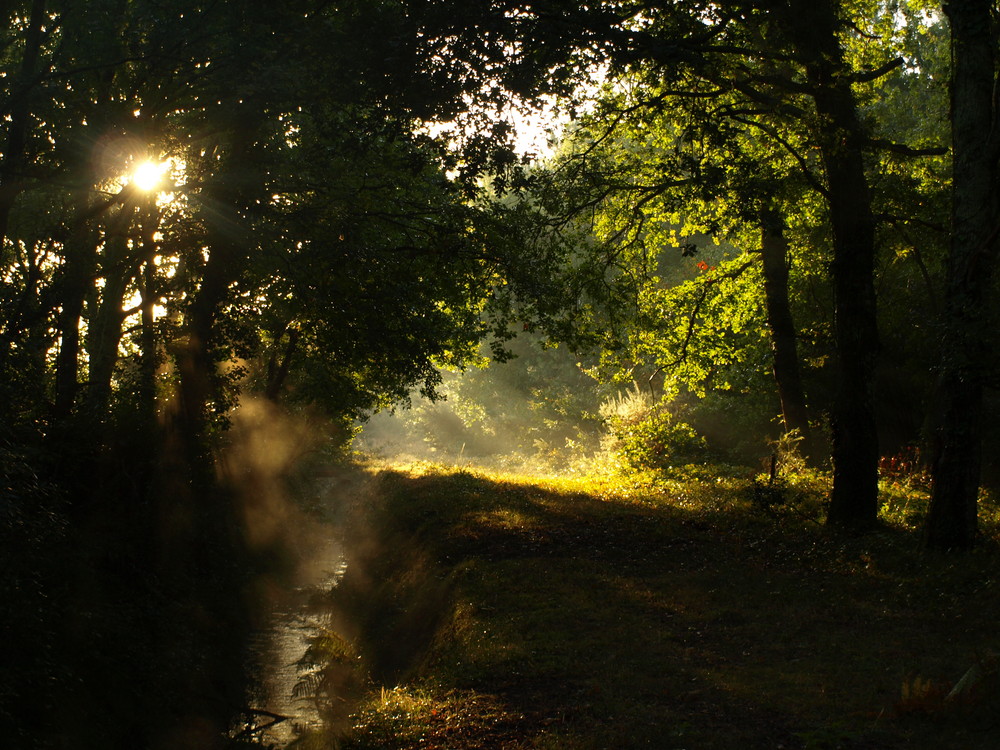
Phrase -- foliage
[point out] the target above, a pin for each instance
(298, 202)
(340, 216)
(648, 436)
(536, 406)
(309, 242)
(692, 141)
(660, 440)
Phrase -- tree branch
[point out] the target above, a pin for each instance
(871, 75)
(894, 219)
(775, 104)
(918, 257)
(803, 164)
(900, 148)
(692, 321)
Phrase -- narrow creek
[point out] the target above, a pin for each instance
(276, 649)
(295, 612)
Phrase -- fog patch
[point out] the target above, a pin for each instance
(537, 413)
(289, 494)
(286, 484)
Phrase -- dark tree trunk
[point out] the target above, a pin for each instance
(784, 347)
(952, 521)
(79, 268)
(149, 356)
(227, 205)
(278, 367)
(105, 329)
(204, 542)
(104, 333)
(226, 209)
(197, 361)
(812, 26)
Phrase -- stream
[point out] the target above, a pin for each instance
(277, 716)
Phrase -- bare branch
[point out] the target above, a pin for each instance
(918, 257)
(871, 75)
(780, 81)
(900, 148)
(773, 103)
(894, 220)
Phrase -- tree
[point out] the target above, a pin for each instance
(777, 64)
(784, 344)
(812, 28)
(957, 443)
(692, 52)
(305, 242)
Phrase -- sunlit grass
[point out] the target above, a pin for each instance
(799, 495)
(702, 607)
(422, 717)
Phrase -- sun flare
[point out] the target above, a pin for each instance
(148, 175)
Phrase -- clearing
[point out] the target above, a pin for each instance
(496, 611)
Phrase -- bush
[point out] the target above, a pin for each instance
(656, 439)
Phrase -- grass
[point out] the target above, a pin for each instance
(496, 611)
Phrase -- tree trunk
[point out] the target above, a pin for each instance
(784, 345)
(956, 450)
(105, 329)
(812, 27)
(787, 375)
(150, 352)
(227, 204)
(197, 362)
(79, 268)
(205, 542)
(279, 367)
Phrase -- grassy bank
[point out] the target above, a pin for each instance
(502, 612)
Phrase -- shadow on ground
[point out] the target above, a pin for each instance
(499, 614)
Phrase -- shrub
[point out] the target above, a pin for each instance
(648, 436)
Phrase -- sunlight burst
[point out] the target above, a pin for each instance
(147, 176)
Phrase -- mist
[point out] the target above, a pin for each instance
(294, 496)
(536, 413)
(273, 461)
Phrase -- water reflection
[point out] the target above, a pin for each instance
(275, 716)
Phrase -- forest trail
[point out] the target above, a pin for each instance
(507, 613)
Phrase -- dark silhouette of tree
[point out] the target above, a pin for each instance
(784, 346)
(306, 244)
(957, 442)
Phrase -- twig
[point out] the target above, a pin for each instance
(252, 712)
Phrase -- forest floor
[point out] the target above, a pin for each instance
(507, 612)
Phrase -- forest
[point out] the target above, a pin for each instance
(246, 247)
